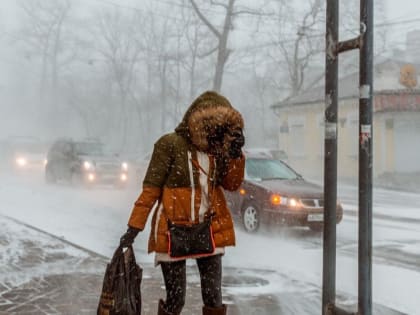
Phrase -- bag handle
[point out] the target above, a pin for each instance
(121, 254)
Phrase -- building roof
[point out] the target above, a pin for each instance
(386, 79)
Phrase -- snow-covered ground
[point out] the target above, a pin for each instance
(96, 218)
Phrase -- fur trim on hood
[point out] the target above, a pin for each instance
(206, 114)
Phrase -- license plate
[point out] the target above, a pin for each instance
(319, 217)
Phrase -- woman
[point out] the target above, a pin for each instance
(186, 176)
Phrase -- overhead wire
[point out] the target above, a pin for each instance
(395, 23)
(113, 3)
(170, 17)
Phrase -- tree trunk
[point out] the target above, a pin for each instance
(223, 53)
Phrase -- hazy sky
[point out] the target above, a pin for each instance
(397, 9)
(403, 8)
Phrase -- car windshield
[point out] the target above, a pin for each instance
(265, 169)
(89, 148)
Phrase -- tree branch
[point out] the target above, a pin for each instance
(220, 4)
(208, 53)
(205, 21)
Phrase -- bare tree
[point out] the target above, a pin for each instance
(194, 39)
(299, 51)
(120, 48)
(298, 43)
(42, 35)
(161, 56)
(350, 27)
(232, 10)
(222, 38)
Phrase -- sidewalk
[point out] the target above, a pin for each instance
(41, 274)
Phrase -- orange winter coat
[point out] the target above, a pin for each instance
(172, 178)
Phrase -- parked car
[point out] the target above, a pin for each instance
(267, 152)
(23, 153)
(84, 162)
(272, 192)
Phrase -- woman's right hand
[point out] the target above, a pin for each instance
(128, 237)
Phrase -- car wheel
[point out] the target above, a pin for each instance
(49, 176)
(251, 218)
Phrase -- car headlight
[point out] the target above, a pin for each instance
(124, 166)
(21, 161)
(277, 200)
(87, 165)
(292, 202)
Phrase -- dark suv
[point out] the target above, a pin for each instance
(272, 192)
(84, 162)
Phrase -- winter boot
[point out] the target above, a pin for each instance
(214, 310)
(161, 309)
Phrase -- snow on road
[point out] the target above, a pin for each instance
(96, 218)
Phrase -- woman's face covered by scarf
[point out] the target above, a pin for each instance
(213, 125)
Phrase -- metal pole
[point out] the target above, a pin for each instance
(365, 158)
(330, 159)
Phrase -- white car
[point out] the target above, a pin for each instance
(24, 153)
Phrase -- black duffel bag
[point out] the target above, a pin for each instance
(121, 293)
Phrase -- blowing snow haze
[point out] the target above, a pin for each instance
(117, 74)
(124, 71)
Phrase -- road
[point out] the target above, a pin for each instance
(285, 260)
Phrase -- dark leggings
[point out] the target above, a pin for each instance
(174, 275)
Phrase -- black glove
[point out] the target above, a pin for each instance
(216, 136)
(128, 238)
(235, 149)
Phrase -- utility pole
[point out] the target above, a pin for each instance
(364, 42)
(365, 157)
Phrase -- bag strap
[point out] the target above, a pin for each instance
(209, 213)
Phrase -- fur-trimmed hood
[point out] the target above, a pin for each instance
(208, 112)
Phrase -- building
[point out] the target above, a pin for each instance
(396, 124)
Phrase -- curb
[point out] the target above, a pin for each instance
(90, 252)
